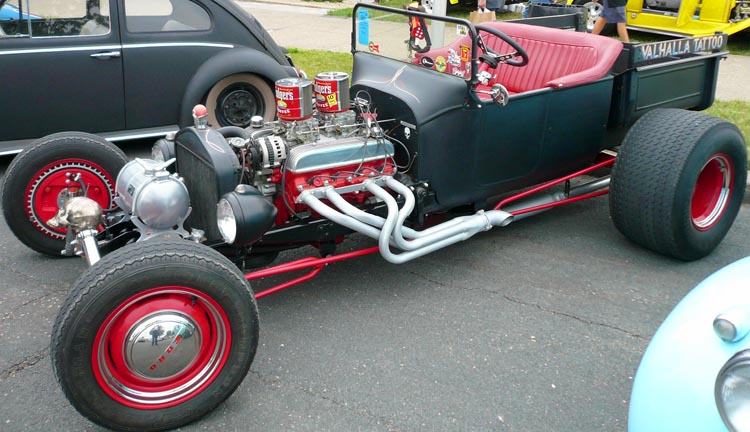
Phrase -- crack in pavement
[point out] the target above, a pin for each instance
(389, 424)
(10, 313)
(540, 307)
(421, 276)
(27, 362)
(568, 315)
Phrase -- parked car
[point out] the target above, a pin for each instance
(132, 68)
(695, 373)
(428, 146)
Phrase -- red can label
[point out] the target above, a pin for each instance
(294, 98)
(332, 92)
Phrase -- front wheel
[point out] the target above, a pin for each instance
(41, 176)
(155, 335)
(678, 182)
(234, 100)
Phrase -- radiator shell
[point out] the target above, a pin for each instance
(210, 169)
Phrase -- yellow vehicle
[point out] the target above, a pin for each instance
(687, 17)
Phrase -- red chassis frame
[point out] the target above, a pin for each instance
(317, 264)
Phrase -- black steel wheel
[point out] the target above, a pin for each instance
(155, 335)
(234, 100)
(38, 177)
(678, 182)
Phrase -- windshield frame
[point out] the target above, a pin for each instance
(472, 31)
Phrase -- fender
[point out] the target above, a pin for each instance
(225, 63)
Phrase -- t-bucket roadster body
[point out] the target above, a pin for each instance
(432, 143)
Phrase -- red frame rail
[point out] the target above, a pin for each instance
(317, 264)
(608, 162)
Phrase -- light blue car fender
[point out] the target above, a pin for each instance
(674, 388)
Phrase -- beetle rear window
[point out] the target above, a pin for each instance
(148, 16)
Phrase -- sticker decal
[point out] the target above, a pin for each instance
(440, 64)
(332, 100)
(373, 47)
(427, 62)
(465, 53)
(462, 30)
(363, 19)
(453, 58)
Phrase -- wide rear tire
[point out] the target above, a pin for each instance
(155, 335)
(678, 182)
(39, 174)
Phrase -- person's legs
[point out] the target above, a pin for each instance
(622, 31)
(599, 25)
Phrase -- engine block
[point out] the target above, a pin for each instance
(336, 163)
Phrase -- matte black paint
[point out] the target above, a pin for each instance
(145, 87)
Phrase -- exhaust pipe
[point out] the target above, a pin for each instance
(391, 232)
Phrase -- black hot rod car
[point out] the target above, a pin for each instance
(428, 146)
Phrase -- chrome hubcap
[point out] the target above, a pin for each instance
(162, 345)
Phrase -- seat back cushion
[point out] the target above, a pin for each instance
(557, 58)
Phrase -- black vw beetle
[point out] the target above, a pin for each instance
(128, 69)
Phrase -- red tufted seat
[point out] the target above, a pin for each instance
(557, 58)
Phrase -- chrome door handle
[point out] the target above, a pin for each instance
(106, 55)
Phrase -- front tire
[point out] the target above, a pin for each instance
(678, 182)
(234, 100)
(155, 335)
(41, 173)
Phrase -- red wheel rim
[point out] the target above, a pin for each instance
(46, 186)
(712, 192)
(143, 371)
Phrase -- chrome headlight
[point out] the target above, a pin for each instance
(732, 392)
(163, 150)
(226, 221)
(244, 215)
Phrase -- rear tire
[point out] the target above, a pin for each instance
(38, 175)
(155, 335)
(678, 182)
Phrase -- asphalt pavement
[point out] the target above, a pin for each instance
(538, 326)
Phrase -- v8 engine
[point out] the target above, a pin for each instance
(258, 173)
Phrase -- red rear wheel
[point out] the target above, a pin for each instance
(678, 182)
(712, 192)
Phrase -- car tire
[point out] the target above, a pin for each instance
(234, 100)
(678, 182)
(119, 373)
(37, 176)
